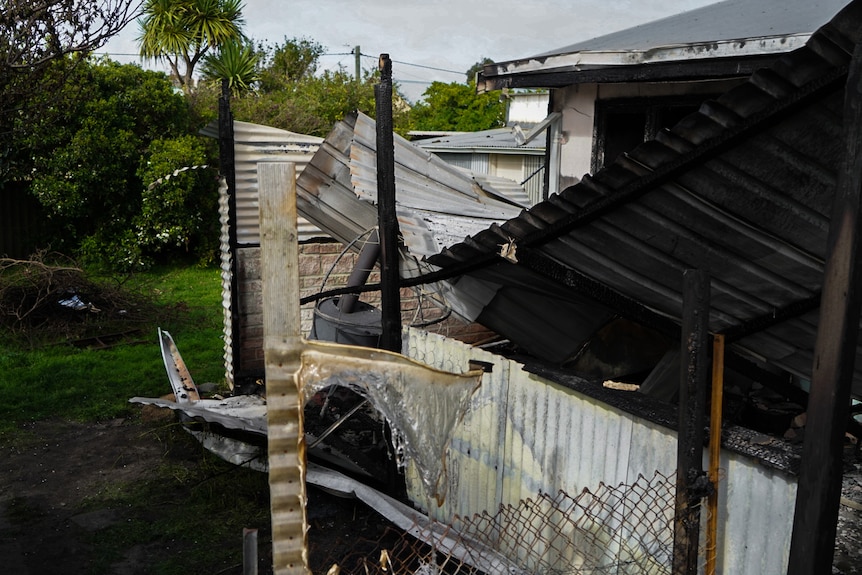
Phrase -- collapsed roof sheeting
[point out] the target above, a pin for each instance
(743, 189)
(437, 204)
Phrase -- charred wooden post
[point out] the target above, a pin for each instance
(390, 295)
(818, 495)
(227, 167)
(282, 348)
(692, 484)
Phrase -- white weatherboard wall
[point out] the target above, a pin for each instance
(524, 435)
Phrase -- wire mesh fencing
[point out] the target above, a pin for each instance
(622, 530)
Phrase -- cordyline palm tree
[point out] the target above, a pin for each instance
(235, 62)
(182, 31)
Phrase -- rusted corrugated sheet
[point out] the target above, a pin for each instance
(524, 435)
(742, 189)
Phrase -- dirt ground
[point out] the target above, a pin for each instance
(45, 479)
(47, 524)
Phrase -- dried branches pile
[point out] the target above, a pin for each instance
(45, 301)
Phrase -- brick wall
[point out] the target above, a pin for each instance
(319, 262)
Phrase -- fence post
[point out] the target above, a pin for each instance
(282, 347)
(691, 482)
(818, 494)
(390, 277)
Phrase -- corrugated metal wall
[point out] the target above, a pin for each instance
(254, 143)
(534, 174)
(524, 435)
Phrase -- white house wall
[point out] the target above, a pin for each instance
(508, 166)
(524, 435)
(578, 106)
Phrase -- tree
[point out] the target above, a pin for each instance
(86, 156)
(234, 62)
(286, 65)
(457, 107)
(38, 37)
(293, 95)
(179, 207)
(476, 68)
(183, 31)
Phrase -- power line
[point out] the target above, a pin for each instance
(326, 54)
(460, 73)
(428, 67)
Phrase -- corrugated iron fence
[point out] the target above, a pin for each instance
(626, 529)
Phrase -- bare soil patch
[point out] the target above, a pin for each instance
(49, 473)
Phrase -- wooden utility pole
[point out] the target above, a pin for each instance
(818, 494)
(357, 75)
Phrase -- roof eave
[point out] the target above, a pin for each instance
(696, 61)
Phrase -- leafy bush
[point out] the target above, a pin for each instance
(84, 165)
(179, 205)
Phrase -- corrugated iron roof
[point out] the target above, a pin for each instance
(255, 143)
(437, 204)
(499, 141)
(737, 30)
(742, 189)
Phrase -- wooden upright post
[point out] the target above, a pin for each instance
(282, 348)
(227, 168)
(390, 277)
(714, 452)
(691, 483)
(818, 495)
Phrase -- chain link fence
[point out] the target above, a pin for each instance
(620, 530)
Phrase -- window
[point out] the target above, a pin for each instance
(622, 124)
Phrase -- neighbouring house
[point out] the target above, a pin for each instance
(749, 189)
(616, 91)
(502, 152)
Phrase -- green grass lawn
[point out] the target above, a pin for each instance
(190, 508)
(56, 379)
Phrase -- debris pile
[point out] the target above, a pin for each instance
(48, 299)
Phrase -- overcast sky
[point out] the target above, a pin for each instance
(420, 35)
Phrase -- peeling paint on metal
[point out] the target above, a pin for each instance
(523, 435)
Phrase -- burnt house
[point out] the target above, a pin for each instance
(758, 190)
(612, 92)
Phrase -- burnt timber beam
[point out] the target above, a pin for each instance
(390, 295)
(691, 482)
(692, 70)
(788, 312)
(820, 475)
